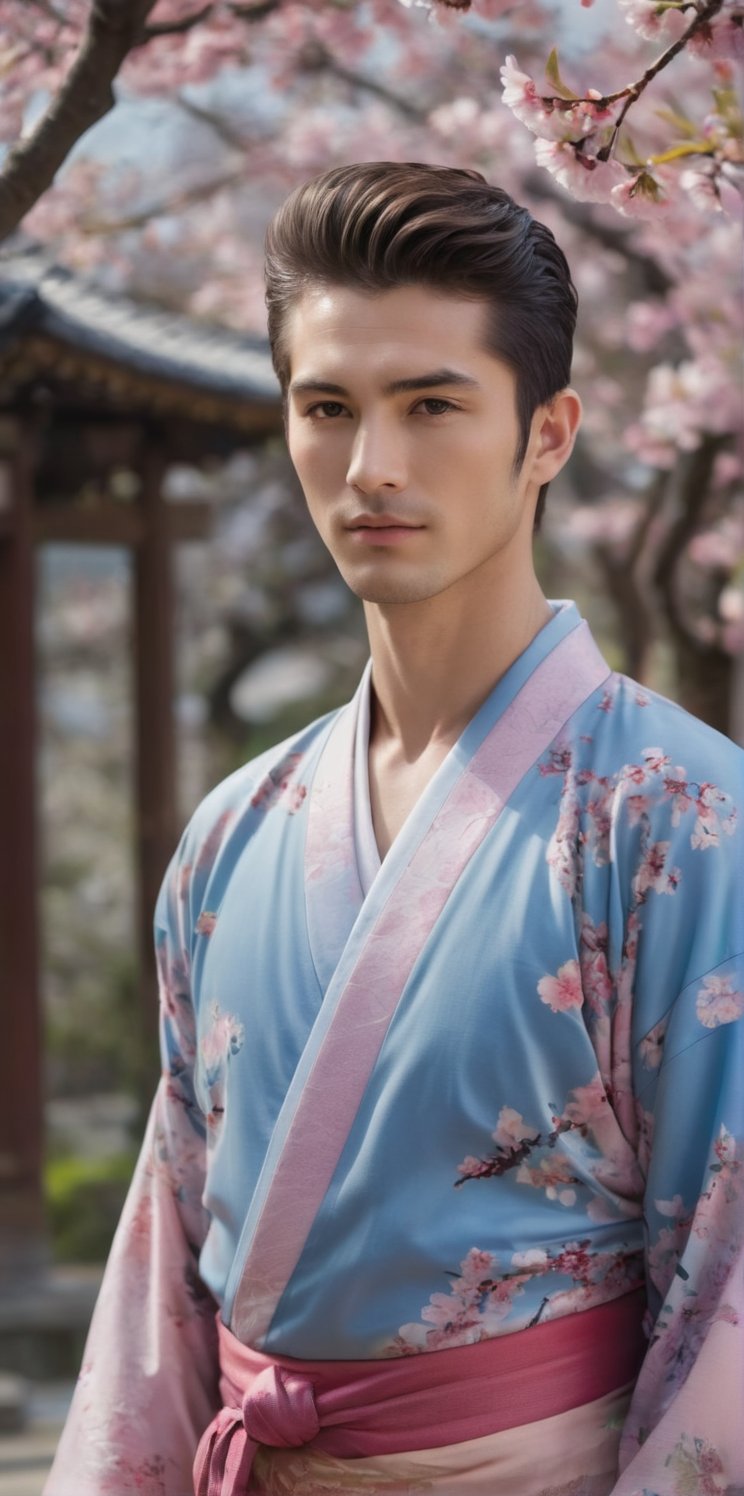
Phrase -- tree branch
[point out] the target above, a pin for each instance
(185, 199)
(176, 28)
(315, 58)
(693, 496)
(249, 13)
(626, 587)
(215, 122)
(85, 97)
(256, 12)
(632, 91)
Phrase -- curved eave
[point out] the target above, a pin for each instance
(87, 378)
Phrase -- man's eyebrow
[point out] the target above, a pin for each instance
(433, 380)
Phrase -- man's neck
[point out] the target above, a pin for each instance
(434, 663)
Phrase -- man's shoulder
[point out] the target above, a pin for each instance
(255, 784)
(634, 725)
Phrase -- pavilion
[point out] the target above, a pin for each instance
(91, 384)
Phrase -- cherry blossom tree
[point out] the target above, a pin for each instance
(633, 154)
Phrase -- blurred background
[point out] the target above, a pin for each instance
(166, 609)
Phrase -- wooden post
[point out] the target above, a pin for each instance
(155, 729)
(22, 1232)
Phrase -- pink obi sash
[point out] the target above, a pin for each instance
(356, 1408)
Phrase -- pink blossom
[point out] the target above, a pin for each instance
(636, 807)
(588, 1102)
(206, 922)
(511, 1128)
(655, 759)
(223, 1037)
(639, 196)
(545, 115)
(713, 188)
(586, 179)
(646, 322)
(534, 1257)
(654, 874)
(722, 37)
(652, 21)
(563, 991)
(550, 1174)
(595, 977)
(717, 1002)
(651, 1048)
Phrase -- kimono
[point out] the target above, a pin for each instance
(494, 1081)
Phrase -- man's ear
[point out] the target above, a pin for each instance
(554, 428)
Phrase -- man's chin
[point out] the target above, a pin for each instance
(389, 591)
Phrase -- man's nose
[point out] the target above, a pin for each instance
(377, 461)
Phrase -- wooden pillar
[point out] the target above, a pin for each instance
(156, 797)
(22, 1234)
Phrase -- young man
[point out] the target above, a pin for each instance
(452, 983)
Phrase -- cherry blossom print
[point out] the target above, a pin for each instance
(210, 846)
(483, 1296)
(595, 1149)
(654, 873)
(221, 1041)
(206, 922)
(596, 983)
(718, 1002)
(280, 786)
(562, 992)
(697, 1468)
(692, 1263)
(651, 1047)
(479, 1300)
(552, 1174)
(224, 1037)
(511, 1130)
(590, 802)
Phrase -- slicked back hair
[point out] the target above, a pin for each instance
(378, 225)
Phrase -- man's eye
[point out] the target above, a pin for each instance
(325, 409)
(434, 407)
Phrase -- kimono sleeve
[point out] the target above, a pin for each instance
(148, 1383)
(683, 1436)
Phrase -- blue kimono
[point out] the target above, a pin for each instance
(496, 1080)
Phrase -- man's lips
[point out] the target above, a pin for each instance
(381, 522)
(381, 530)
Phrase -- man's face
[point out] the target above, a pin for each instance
(403, 431)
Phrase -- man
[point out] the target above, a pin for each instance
(452, 984)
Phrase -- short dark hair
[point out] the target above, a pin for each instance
(377, 225)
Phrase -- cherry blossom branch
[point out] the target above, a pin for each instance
(85, 97)
(634, 90)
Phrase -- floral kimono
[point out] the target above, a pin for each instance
(493, 1082)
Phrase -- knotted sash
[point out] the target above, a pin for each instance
(355, 1408)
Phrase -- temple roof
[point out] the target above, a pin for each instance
(65, 327)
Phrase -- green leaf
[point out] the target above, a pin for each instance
(553, 74)
(690, 148)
